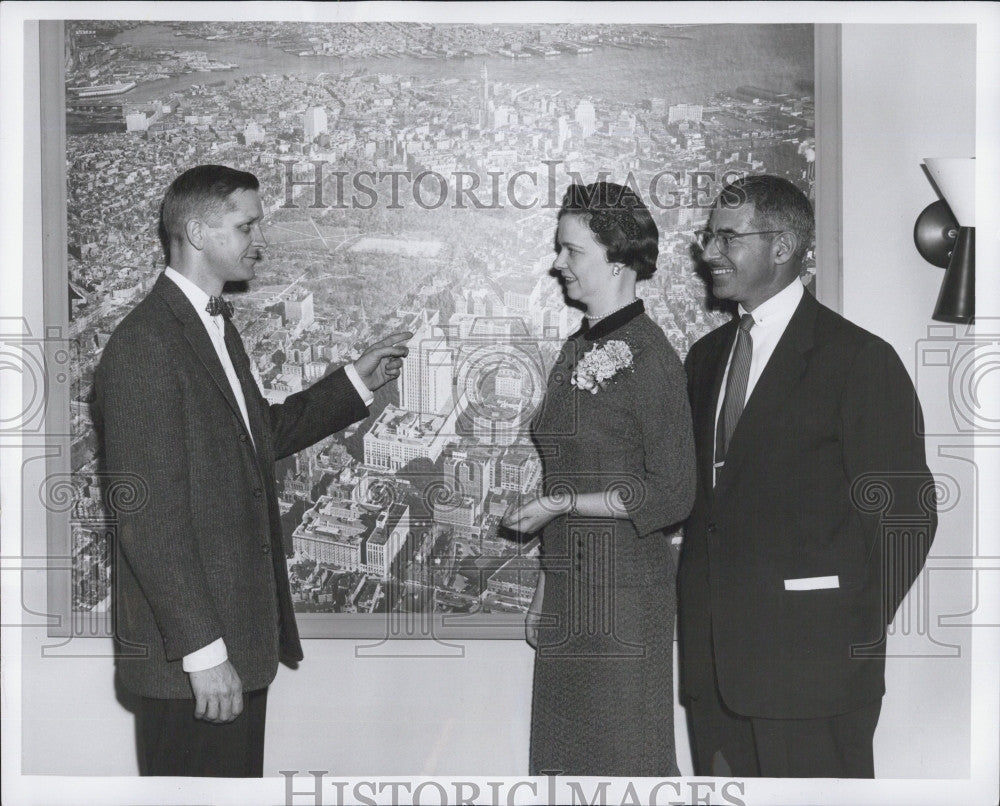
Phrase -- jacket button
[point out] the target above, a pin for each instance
(266, 548)
(258, 492)
(711, 527)
(243, 437)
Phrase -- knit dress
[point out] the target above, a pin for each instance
(603, 699)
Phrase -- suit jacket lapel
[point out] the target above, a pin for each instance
(710, 383)
(783, 370)
(241, 363)
(197, 337)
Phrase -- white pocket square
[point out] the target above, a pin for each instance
(812, 583)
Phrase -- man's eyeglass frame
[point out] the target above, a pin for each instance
(723, 239)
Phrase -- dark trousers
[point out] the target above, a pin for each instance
(725, 744)
(173, 742)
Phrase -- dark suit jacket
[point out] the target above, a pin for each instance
(832, 423)
(201, 556)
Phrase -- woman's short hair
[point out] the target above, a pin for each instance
(620, 222)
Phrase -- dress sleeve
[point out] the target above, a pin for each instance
(666, 495)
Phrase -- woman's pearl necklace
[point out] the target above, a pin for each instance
(594, 318)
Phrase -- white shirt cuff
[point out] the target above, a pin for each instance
(206, 657)
(363, 391)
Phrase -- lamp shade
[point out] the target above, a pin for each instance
(955, 177)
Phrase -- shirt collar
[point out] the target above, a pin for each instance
(196, 296)
(778, 308)
(610, 323)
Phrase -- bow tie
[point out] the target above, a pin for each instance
(218, 306)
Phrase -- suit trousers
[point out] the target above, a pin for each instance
(173, 742)
(726, 744)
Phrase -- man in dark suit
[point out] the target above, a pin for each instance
(202, 602)
(786, 585)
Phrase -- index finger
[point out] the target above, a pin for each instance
(394, 338)
(512, 515)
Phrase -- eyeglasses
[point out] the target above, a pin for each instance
(703, 237)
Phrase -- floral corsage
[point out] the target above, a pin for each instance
(600, 365)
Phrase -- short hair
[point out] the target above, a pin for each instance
(777, 205)
(202, 191)
(620, 222)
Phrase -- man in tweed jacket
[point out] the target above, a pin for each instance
(202, 602)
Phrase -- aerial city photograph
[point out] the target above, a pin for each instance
(411, 175)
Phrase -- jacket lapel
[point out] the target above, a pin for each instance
(783, 371)
(194, 332)
(711, 388)
(241, 363)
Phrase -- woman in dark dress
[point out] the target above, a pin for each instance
(614, 433)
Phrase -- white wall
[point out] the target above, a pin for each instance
(907, 93)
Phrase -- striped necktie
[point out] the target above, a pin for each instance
(736, 389)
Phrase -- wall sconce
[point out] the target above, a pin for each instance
(945, 235)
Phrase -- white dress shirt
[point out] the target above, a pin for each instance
(770, 319)
(215, 653)
(215, 327)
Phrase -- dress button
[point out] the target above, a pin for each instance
(266, 548)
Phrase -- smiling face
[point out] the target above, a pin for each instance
(583, 263)
(756, 267)
(233, 243)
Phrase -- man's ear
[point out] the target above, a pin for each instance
(784, 247)
(194, 233)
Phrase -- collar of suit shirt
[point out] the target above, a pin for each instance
(196, 296)
(778, 310)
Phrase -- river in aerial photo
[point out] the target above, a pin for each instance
(696, 62)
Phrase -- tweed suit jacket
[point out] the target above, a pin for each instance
(201, 555)
(787, 579)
